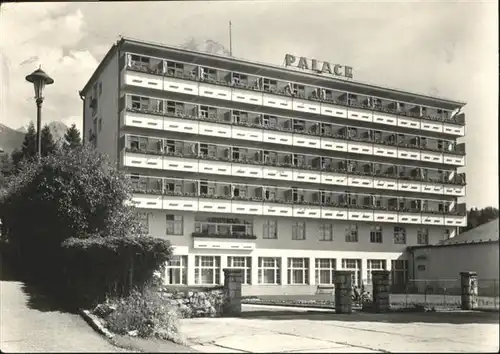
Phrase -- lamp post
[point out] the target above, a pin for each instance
(39, 79)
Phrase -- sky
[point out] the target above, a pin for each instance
(443, 48)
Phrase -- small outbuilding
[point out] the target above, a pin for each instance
(438, 266)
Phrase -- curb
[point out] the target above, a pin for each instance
(94, 322)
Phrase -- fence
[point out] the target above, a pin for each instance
(488, 293)
(443, 294)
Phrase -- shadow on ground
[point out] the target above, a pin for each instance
(452, 317)
(37, 297)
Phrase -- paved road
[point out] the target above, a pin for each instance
(294, 332)
(27, 329)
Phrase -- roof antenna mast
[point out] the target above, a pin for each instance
(230, 40)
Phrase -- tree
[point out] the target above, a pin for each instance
(67, 217)
(29, 147)
(477, 217)
(72, 137)
(48, 144)
(6, 169)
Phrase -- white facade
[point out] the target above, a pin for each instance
(287, 179)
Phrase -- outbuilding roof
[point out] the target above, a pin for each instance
(484, 233)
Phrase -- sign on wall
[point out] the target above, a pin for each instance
(318, 67)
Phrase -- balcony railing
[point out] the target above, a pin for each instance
(252, 160)
(309, 197)
(278, 87)
(316, 132)
(226, 236)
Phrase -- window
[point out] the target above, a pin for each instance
(176, 271)
(399, 235)
(376, 234)
(269, 270)
(423, 236)
(270, 229)
(175, 225)
(244, 263)
(298, 271)
(326, 232)
(447, 234)
(299, 230)
(100, 124)
(355, 266)
(351, 233)
(374, 264)
(399, 273)
(223, 226)
(207, 270)
(324, 270)
(144, 220)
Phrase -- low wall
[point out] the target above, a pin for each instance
(196, 302)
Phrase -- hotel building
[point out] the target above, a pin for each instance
(285, 173)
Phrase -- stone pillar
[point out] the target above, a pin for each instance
(469, 290)
(233, 278)
(381, 292)
(343, 291)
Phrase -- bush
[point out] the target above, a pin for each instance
(72, 206)
(147, 313)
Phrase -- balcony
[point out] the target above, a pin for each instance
(221, 84)
(218, 122)
(223, 233)
(254, 163)
(220, 197)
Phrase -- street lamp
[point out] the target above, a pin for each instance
(39, 79)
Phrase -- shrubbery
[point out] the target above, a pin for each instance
(144, 313)
(66, 218)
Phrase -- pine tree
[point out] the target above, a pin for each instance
(72, 138)
(29, 146)
(6, 168)
(48, 144)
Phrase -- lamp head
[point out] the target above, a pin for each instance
(39, 79)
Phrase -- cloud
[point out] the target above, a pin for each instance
(52, 43)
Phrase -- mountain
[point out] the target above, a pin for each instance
(207, 46)
(11, 139)
(58, 129)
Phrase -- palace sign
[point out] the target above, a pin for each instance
(316, 66)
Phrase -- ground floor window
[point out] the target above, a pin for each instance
(326, 232)
(399, 273)
(176, 271)
(399, 235)
(374, 264)
(244, 263)
(353, 265)
(207, 270)
(174, 224)
(324, 270)
(422, 236)
(376, 234)
(298, 271)
(269, 270)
